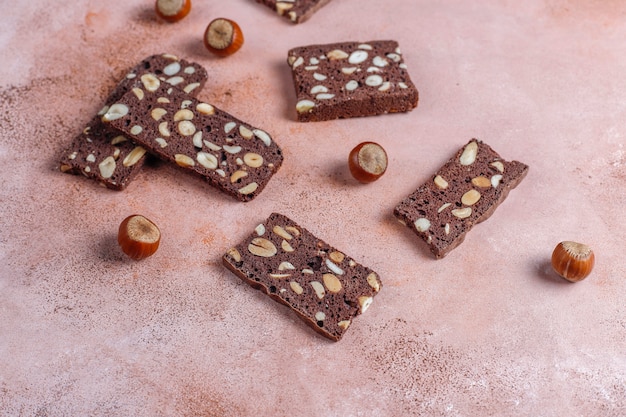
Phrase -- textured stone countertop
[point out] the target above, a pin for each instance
(488, 330)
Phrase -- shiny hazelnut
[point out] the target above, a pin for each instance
(223, 37)
(573, 261)
(172, 10)
(138, 237)
(367, 162)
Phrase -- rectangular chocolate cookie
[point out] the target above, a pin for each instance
(350, 79)
(322, 285)
(295, 10)
(464, 192)
(233, 156)
(104, 154)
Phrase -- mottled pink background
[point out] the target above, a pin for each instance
(489, 330)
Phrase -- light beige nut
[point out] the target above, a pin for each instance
(443, 207)
(228, 127)
(280, 276)
(282, 7)
(212, 146)
(186, 128)
(184, 114)
(172, 69)
(263, 136)
(440, 182)
(253, 160)
(286, 266)
(320, 316)
(498, 165)
(262, 247)
(470, 198)
(205, 108)
(365, 302)
(286, 246)
(348, 70)
(135, 130)
(184, 160)
(157, 113)
(295, 287)
(308, 271)
(249, 189)
(280, 231)
(481, 182)
(197, 139)
(163, 100)
(468, 156)
(245, 132)
(164, 129)
(337, 256)
(385, 86)
(65, 168)
(107, 167)
(303, 106)
(344, 324)
(237, 175)
(316, 89)
(374, 80)
(462, 213)
(495, 180)
(332, 283)
(333, 267)
(365, 46)
(446, 228)
(358, 57)
(162, 142)
(91, 158)
(150, 82)
(207, 160)
(293, 230)
(134, 156)
(260, 229)
(324, 96)
(319, 77)
(352, 85)
(118, 139)
(337, 54)
(422, 224)
(232, 149)
(175, 80)
(372, 281)
(297, 62)
(319, 289)
(234, 253)
(138, 92)
(379, 61)
(116, 111)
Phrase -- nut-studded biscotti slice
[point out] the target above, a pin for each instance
(324, 286)
(464, 192)
(295, 10)
(233, 156)
(103, 153)
(350, 79)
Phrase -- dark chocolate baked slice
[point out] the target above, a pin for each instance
(233, 156)
(295, 10)
(464, 192)
(103, 153)
(350, 79)
(322, 285)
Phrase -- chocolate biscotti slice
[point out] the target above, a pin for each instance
(322, 285)
(464, 192)
(295, 10)
(233, 156)
(350, 79)
(104, 154)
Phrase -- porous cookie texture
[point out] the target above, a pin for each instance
(326, 288)
(233, 156)
(350, 79)
(464, 192)
(296, 11)
(105, 154)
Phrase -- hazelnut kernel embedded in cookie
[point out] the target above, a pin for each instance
(223, 37)
(138, 237)
(573, 261)
(367, 162)
(172, 10)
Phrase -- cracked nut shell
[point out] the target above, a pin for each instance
(367, 162)
(172, 10)
(223, 37)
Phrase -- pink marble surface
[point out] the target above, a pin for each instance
(489, 330)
